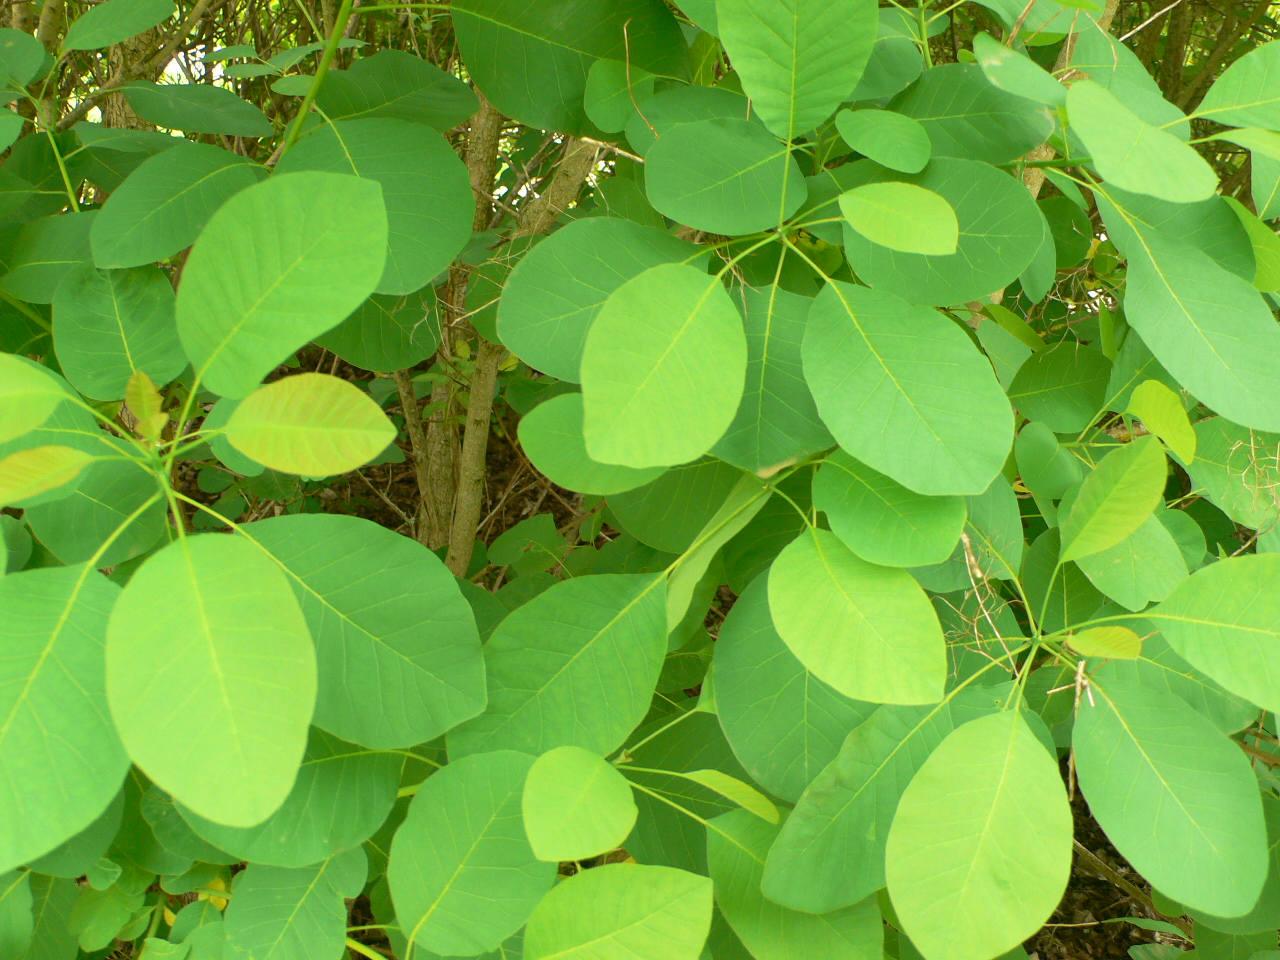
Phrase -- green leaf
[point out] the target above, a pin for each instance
(16, 921)
(893, 140)
(1161, 411)
(1063, 386)
(462, 873)
(30, 472)
(114, 21)
(196, 108)
(613, 91)
(21, 57)
(164, 204)
(396, 645)
(1143, 567)
(214, 618)
(882, 521)
(74, 857)
(1110, 643)
(723, 176)
(980, 849)
(621, 911)
(1238, 469)
(29, 394)
(175, 835)
(965, 116)
(777, 420)
(1060, 590)
(798, 61)
(425, 187)
(902, 216)
(1000, 230)
(1115, 498)
(678, 105)
(576, 665)
(1115, 66)
(62, 760)
(342, 795)
(282, 914)
(1014, 72)
(737, 791)
(557, 289)
(866, 630)
(1176, 797)
(310, 424)
(110, 324)
(784, 724)
(669, 512)
(850, 805)
(1047, 469)
(11, 125)
(662, 369)
(552, 438)
(1245, 94)
(1225, 620)
(531, 59)
(925, 410)
(737, 845)
(44, 252)
(575, 805)
(278, 264)
(399, 86)
(1132, 154)
(387, 333)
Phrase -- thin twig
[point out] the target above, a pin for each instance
(1150, 20)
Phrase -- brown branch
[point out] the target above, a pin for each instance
(1226, 43)
(1101, 868)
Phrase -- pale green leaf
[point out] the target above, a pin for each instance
(27, 473)
(1238, 470)
(621, 911)
(662, 369)
(211, 617)
(29, 393)
(16, 921)
(980, 849)
(1143, 567)
(866, 630)
(798, 59)
(1016, 73)
(462, 873)
(576, 805)
(1246, 93)
(1161, 411)
(311, 424)
(902, 216)
(1175, 796)
(1115, 498)
(890, 139)
(278, 264)
(925, 410)
(731, 788)
(1111, 643)
(116, 20)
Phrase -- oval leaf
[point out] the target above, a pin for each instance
(902, 216)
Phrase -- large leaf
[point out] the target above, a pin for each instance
(1115, 498)
(1000, 230)
(1176, 797)
(1143, 567)
(783, 723)
(737, 844)
(116, 20)
(212, 618)
(723, 176)
(830, 853)
(1245, 95)
(662, 369)
(196, 107)
(342, 795)
(776, 419)
(866, 630)
(1225, 620)
(400, 86)
(798, 59)
(576, 665)
(531, 59)
(924, 409)
(462, 873)
(965, 116)
(299, 914)
(980, 849)
(881, 520)
(311, 424)
(44, 252)
(162, 206)
(576, 805)
(61, 757)
(425, 187)
(557, 289)
(1209, 328)
(1238, 469)
(621, 911)
(396, 645)
(278, 264)
(109, 324)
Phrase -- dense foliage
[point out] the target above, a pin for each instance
(900, 388)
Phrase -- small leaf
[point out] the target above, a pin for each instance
(28, 472)
(114, 21)
(1161, 411)
(1115, 498)
(310, 424)
(1113, 643)
(743, 794)
(576, 805)
(902, 216)
(196, 108)
(891, 139)
(1015, 72)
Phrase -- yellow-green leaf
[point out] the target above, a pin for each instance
(1113, 643)
(1161, 412)
(28, 472)
(902, 216)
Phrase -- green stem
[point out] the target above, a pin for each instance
(326, 61)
